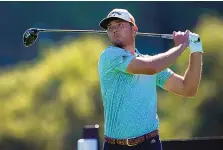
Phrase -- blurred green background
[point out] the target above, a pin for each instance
(49, 91)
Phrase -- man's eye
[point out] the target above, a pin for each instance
(121, 24)
(109, 28)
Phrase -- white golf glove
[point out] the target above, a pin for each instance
(194, 44)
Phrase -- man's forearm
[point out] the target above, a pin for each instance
(192, 75)
(164, 60)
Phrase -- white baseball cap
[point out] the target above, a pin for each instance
(117, 14)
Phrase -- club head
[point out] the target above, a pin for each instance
(30, 36)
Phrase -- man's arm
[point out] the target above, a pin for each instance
(188, 84)
(154, 64)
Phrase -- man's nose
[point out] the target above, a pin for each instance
(115, 30)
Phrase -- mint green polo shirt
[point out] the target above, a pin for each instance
(129, 100)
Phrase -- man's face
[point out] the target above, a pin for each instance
(120, 33)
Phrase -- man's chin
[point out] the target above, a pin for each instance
(117, 44)
(120, 46)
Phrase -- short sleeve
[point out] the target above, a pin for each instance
(115, 59)
(163, 76)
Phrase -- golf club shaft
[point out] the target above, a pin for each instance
(165, 36)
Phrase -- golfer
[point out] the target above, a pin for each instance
(128, 83)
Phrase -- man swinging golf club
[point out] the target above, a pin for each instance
(128, 83)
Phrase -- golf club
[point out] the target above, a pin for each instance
(30, 35)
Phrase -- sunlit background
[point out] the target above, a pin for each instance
(50, 90)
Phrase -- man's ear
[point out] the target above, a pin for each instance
(135, 29)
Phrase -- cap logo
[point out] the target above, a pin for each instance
(114, 13)
(132, 20)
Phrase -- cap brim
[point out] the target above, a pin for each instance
(104, 23)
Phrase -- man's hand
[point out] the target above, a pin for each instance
(181, 38)
(194, 45)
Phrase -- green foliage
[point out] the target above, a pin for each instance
(201, 115)
(45, 100)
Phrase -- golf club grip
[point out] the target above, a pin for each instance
(167, 36)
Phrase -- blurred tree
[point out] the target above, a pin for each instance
(47, 102)
(201, 115)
